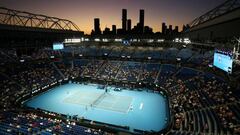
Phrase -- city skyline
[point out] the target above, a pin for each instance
(83, 12)
(139, 29)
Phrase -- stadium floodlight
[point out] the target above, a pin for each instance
(76, 40)
(73, 40)
(186, 40)
(118, 40)
(67, 41)
(180, 40)
(86, 39)
(160, 40)
(176, 40)
(105, 40)
(134, 40)
(97, 40)
(150, 40)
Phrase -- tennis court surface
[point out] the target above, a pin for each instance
(101, 100)
(137, 109)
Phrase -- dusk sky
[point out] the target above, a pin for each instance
(82, 12)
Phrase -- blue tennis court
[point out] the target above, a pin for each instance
(137, 109)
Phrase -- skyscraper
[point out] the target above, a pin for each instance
(170, 27)
(176, 29)
(97, 29)
(141, 21)
(124, 19)
(170, 30)
(129, 25)
(114, 29)
(106, 31)
(183, 28)
(164, 29)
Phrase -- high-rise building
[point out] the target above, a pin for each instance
(170, 27)
(124, 19)
(106, 31)
(141, 21)
(164, 28)
(129, 25)
(97, 29)
(147, 30)
(183, 28)
(114, 29)
(176, 29)
(170, 30)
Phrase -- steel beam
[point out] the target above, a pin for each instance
(226, 7)
(26, 19)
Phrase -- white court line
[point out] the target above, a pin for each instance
(130, 105)
(115, 101)
(82, 115)
(141, 106)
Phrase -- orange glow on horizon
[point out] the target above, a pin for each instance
(83, 12)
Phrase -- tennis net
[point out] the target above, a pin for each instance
(98, 99)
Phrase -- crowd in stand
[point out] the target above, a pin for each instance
(200, 102)
(203, 94)
(36, 123)
(109, 71)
